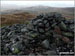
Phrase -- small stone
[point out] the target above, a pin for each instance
(45, 44)
(24, 30)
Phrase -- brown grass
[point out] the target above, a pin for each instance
(10, 19)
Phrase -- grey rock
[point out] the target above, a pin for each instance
(24, 30)
(9, 33)
(50, 52)
(46, 44)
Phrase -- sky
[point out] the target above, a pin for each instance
(36, 3)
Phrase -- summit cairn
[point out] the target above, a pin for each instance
(48, 33)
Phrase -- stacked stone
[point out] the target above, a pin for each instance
(46, 34)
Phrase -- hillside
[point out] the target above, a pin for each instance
(10, 19)
(67, 11)
(20, 15)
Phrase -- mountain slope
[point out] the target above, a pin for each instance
(21, 15)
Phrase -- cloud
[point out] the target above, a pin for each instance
(36, 3)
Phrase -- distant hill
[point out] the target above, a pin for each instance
(22, 14)
(68, 11)
(37, 9)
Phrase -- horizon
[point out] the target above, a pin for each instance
(7, 5)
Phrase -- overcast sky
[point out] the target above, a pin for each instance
(36, 3)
